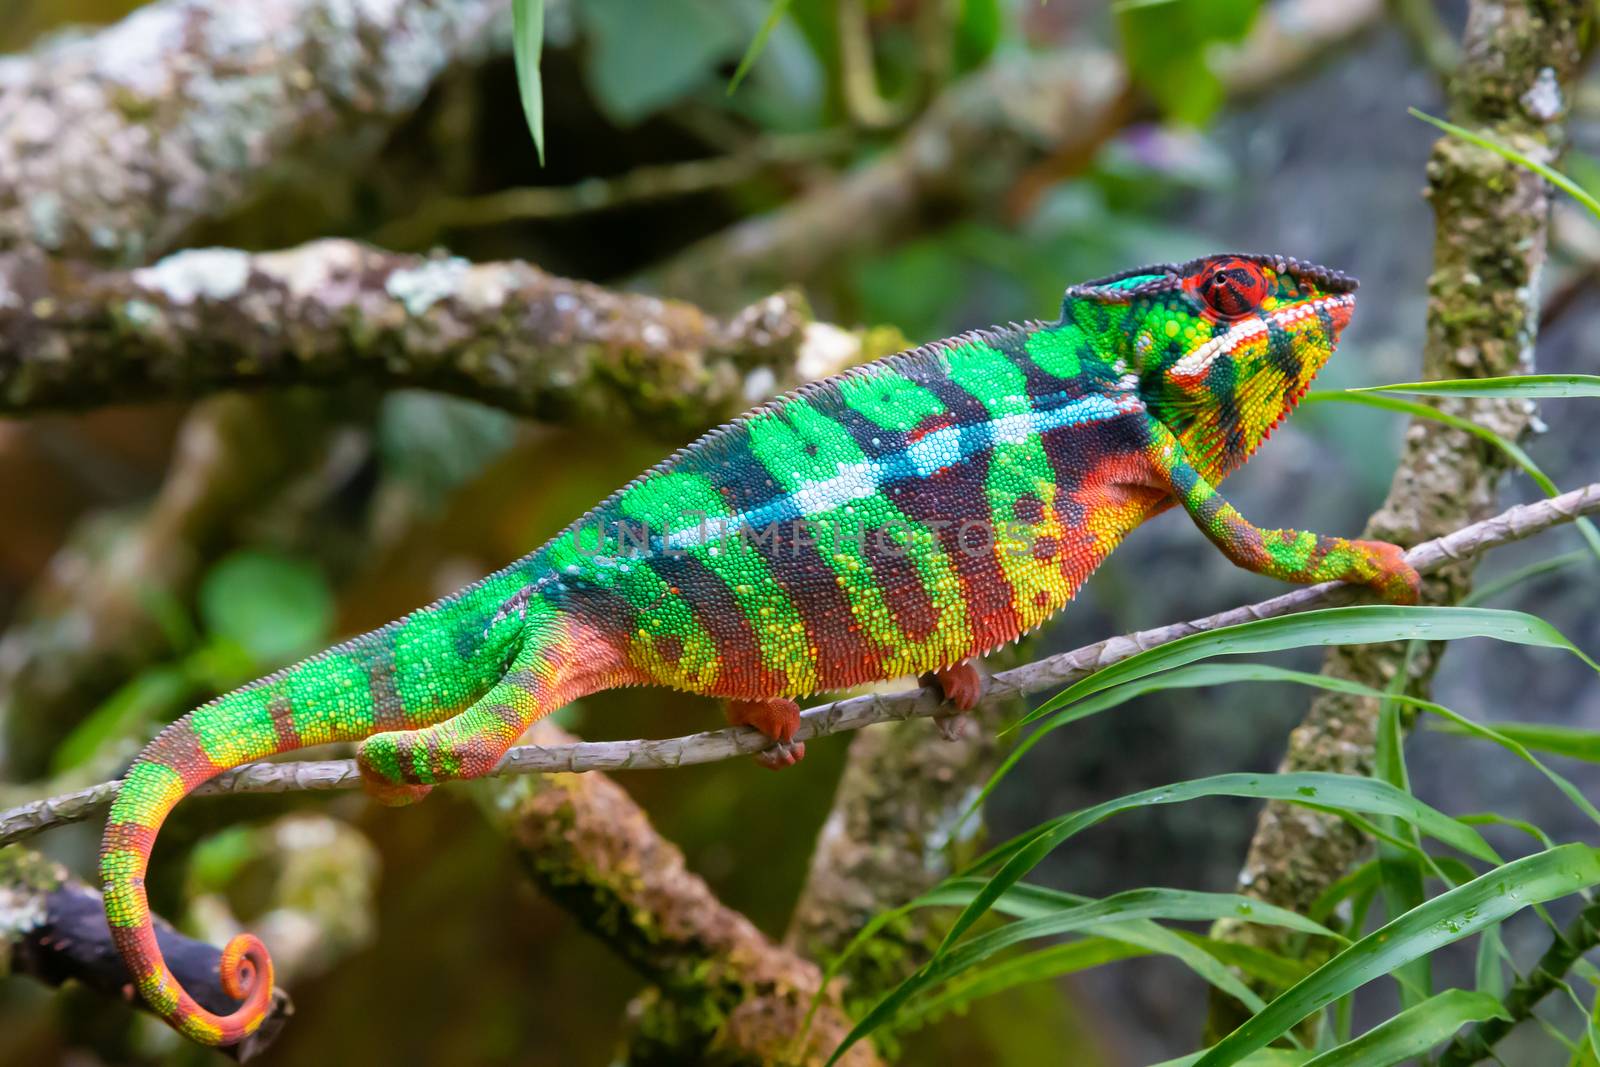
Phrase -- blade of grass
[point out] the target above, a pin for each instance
(1514, 386)
(1413, 1031)
(775, 14)
(527, 45)
(1548, 173)
(1566, 741)
(1259, 672)
(1026, 901)
(1323, 790)
(1356, 625)
(1513, 451)
(1400, 871)
(1447, 918)
(1042, 965)
(1172, 904)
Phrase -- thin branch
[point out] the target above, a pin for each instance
(642, 184)
(851, 713)
(335, 311)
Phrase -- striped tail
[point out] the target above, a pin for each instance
(440, 694)
(335, 696)
(167, 770)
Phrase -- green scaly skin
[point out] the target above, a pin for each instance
(898, 519)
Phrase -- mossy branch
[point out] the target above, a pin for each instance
(335, 311)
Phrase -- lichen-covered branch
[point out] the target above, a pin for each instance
(115, 143)
(970, 148)
(334, 312)
(724, 994)
(1489, 250)
(53, 929)
(852, 713)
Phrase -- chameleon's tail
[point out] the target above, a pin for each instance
(439, 718)
(328, 698)
(169, 768)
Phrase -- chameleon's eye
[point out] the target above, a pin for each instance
(1233, 288)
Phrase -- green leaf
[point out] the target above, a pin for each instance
(1039, 966)
(1557, 740)
(1260, 672)
(1357, 625)
(527, 46)
(1314, 789)
(1537, 569)
(1447, 918)
(1268, 967)
(1172, 904)
(1324, 791)
(274, 606)
(977, 32)
(775, 15)
(1413, 1031)
(1400, 870)
(1487, 976)
(1167, 47)
(1549, 174)
(1203, 674)
(1267, 1057)
(1028, 901)
(154, 694)
(644, 56)
(1523, 386)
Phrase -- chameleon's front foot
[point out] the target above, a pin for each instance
(779, 719)
(961, 686)
(378, 759)
(1386, 571)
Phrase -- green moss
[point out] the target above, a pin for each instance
(25, 868)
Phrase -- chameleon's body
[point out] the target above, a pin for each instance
(894, 520)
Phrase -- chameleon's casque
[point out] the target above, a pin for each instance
(897, 519)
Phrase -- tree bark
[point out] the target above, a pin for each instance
(116, 143)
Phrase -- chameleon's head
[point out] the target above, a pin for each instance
(1224, 346)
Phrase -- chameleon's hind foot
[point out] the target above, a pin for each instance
(378, 760)
(961, 686)
(782, 754)
(1388, 573)
(779, 719)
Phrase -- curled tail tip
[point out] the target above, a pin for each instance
(246, 974)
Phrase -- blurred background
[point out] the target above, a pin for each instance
(428, 944)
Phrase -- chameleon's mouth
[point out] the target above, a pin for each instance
(1331, 312)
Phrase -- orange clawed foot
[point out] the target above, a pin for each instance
(961, 685)
(376, 753)
(779, 719)
(1390, 575)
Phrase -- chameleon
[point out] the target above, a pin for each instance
(903, 517)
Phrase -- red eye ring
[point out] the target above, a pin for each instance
(1231, 288)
